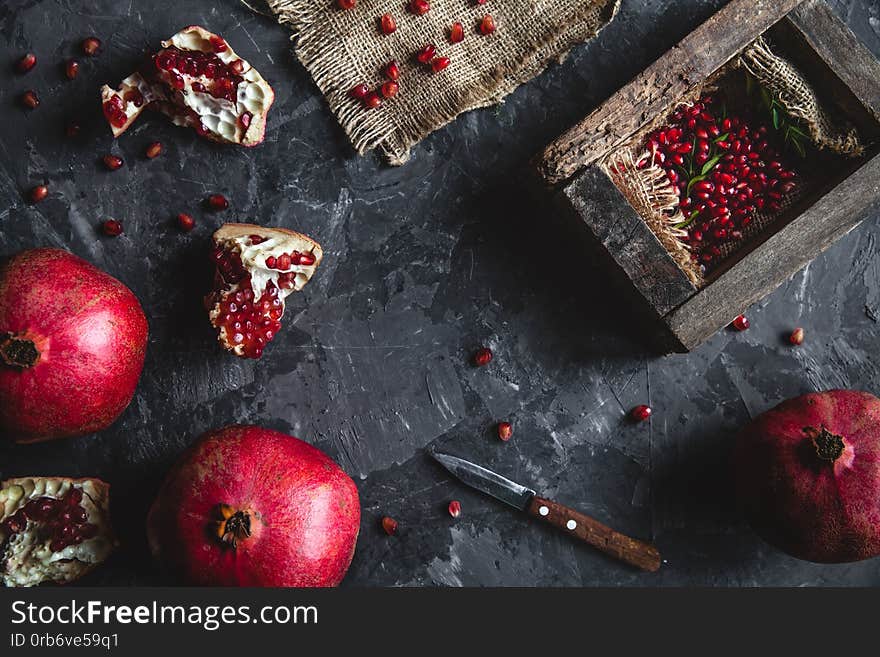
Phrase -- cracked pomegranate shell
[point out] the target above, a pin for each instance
(197, 81)
(72, 346)
(247, 506)
(53, 529)
(257, 268)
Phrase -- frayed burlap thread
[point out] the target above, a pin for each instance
(785, 83)
(341, 49)
(649, 191)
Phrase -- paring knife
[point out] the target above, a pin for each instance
(636, 553)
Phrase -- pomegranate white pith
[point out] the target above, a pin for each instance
(53, 529)
(257, 269)
(199, 82)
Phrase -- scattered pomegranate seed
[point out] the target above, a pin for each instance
(113, 162)
(456, 33)
(186, 222)
(372, 100)
(387, 24)
(392, 70)
(505, 431)
(111, 228)
(389, 525)
(38, 193)
(30, 100)
(455, 508)
(741, 323)
(218, 44)
(359, 91)
(797, 337)
(419, 7)
(154, 149)
(71, 69)
(72, 129)
(481, 2)
(91, 45)
(439, 64)
(217, 202)
(346, 4)
(641, 413)
(426, 54)
(26, 63)
(390, 89)
(236, 67)
(483, 357)
(487, 25)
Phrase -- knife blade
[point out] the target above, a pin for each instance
(634, 552)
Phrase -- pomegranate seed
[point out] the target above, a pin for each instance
(346, 4)
(505, 431)
(487, 25)
(218, 44)
(387, 24)
(71, 69)
(111, 228)
(29, 99)
(741, 323)
(641, 413)
(154, 149)
(26, 63)
(245, 120)
(38, 193)
(483, 357)
(72, 129)
(307, 259)
(390, 89)
(439, 64)
(455, 508)
(392, 70)
(426, 54)
(217, 202)
(372, 100)
(186, 222)
(456, 33)
(91, 46)
(236, 67)
(419, 7)
(359, 91)
(284, 261)
(797, 337)
(389, 525)
(113, 162)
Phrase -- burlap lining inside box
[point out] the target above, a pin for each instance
(343, 48)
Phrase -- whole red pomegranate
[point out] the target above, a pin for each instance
(72, 345)
(808, 476)
(247, 506)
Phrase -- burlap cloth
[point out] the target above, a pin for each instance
(343, 48)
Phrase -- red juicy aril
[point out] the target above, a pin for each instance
(53, 529)
(257, 268)
(247, 506)
(726, 171)
(72, 345)
(808, 476)
(197, 81)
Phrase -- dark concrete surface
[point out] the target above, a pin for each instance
(424, 264)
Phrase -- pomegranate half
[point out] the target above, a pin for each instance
(247, 506)
(72, 346)
(256, 269)
(197, 81)
(808, 476)
(53, 529)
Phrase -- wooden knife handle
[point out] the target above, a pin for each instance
(636, 553)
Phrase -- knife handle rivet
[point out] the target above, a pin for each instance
(543, 510)
(571, 524)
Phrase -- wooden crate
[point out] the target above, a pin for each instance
(836, 64)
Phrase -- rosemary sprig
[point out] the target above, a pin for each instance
(788, 126)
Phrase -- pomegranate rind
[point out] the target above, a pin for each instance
(25, 560)
(304, 511)
(814, 509)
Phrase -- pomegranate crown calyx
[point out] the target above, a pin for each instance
(829, 446)
(231, 525)
(18, 352)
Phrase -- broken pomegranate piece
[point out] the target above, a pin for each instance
(197, 83)
(53, 529)
(257, 268)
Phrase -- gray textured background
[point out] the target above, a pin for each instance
(424, 264)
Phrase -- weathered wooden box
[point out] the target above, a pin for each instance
(848, 190)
